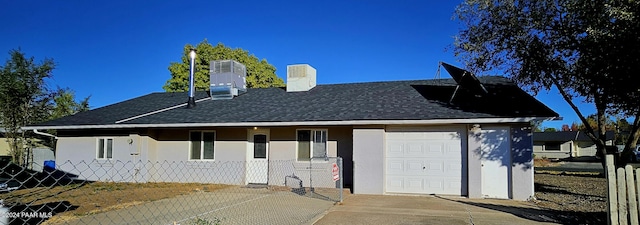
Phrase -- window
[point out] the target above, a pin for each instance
(552, 146)
(259, 146)
(201, 145)
(105, 148)
(312, 144)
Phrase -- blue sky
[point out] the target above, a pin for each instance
(117, 50)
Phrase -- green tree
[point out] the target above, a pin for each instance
(24, 99)
(583, 48)
(537, 126)
(64, 103)
(550, 129)
(622, 131)
(592, 120)
(260, 74)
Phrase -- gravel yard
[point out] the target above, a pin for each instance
(572, 198)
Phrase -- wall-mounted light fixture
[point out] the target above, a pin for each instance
(475, 128)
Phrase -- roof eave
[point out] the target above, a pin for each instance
(294, 123)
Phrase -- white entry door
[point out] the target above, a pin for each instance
(258, 157)
(496, 161)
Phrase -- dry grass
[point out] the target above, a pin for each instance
(544, 162)
(92, 198)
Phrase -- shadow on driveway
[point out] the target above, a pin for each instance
(391, 209)
(535, 214)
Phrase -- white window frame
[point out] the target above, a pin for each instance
(202, 132)
(326, 146)
(104, 147)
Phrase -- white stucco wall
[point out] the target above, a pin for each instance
(162, 155)
(172, 162)
(284, 169)
(474, 165)
(522, 173)
(78, 155)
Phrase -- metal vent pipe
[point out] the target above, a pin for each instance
(192, 101)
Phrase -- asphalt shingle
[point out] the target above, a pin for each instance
(392, 100)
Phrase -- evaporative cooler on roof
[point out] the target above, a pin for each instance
(227, 79)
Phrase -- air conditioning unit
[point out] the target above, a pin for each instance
(228, 79)
(300, 77)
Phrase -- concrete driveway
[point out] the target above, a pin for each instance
(386, 209)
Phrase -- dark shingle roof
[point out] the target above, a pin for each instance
(563, 136)
(393, 100)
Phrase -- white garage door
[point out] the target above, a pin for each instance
(425, 161)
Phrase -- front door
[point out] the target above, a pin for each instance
(258, 157)
(496, 162)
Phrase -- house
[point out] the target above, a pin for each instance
(39, 153)
(4, 147)
(395, 137)
(565, 144)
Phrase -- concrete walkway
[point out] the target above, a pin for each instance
(385, 209)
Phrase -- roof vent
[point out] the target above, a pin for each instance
(301, 77)
(228, 79)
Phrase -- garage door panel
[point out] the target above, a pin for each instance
(453, 184)
(453, 168)
(395, 166)
(414, 167)
(434, 167)
(395, 148)
(414, 184)
(424, 162)
(424, 167)
(395, 184)
(415, 149)
(435, 149)
(434, 185)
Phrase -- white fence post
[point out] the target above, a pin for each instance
(623, 210)
(631, 189)
(612, 203)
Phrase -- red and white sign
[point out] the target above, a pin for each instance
(336, 172)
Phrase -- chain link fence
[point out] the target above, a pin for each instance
(179, 192)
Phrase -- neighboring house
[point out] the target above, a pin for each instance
(41, 153)
(565, 144)
(4, 147)
(396, 137)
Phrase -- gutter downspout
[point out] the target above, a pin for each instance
(44, 134)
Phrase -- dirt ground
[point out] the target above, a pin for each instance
(70, 201)
(574, 198)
